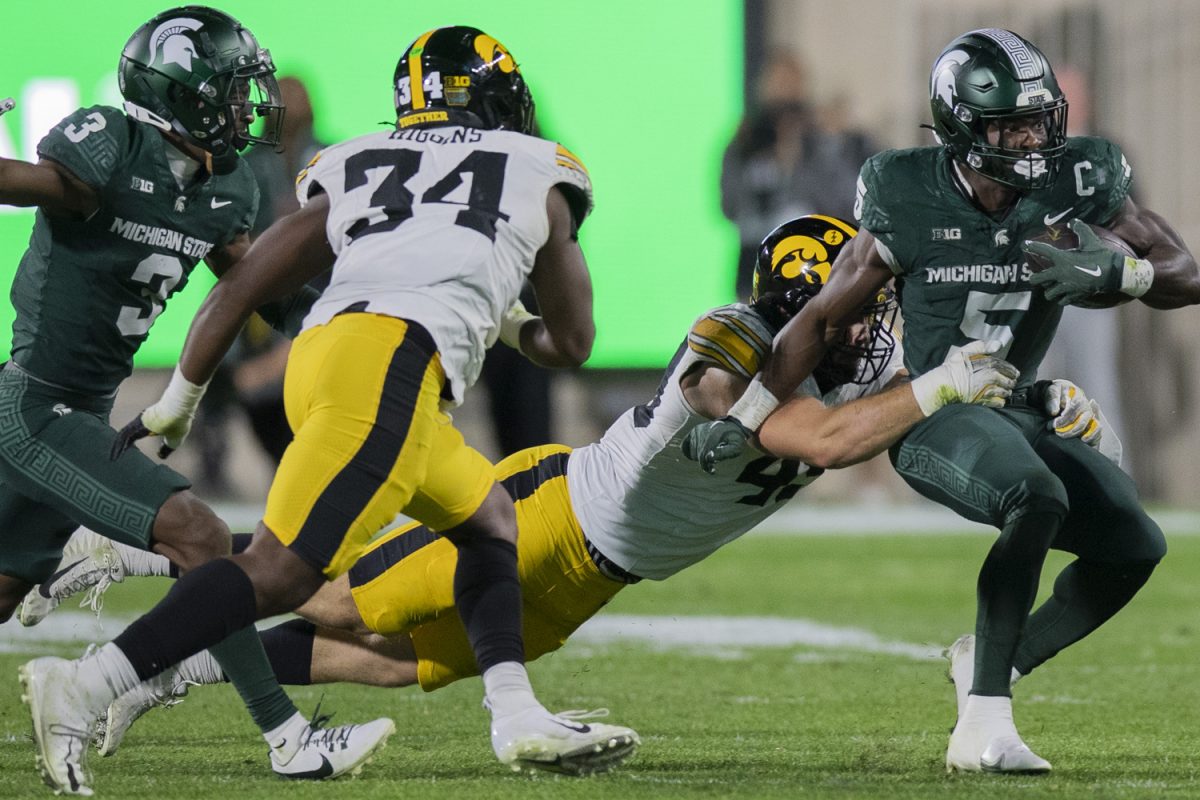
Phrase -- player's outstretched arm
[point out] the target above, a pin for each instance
(563, 335)
(287, 255)
(838, 436)
(795, 352)
(47, 185)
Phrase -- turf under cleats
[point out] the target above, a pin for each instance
(62, 725)
(986, 740)
(165, 689)
(89, 563)
(317, 753)
(565, 742)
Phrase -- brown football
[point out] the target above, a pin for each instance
(1063, 238)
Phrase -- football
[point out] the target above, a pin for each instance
(1063, 238)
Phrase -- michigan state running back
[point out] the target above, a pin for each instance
(948, 223)
(128, 204)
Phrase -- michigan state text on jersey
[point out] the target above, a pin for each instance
(961, 272)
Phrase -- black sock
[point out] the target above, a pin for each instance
(203, 608)
(289, 647)
(487, 593)
(1008, 583)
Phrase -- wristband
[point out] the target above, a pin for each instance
(181, 397)
(754, 406)
(511, 323)
(1136, 276)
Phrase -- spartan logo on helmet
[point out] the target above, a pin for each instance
(169, 43)
(985, 82)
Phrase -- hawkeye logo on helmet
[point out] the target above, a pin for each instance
(494, 54)
(175, 46)
(805, 255)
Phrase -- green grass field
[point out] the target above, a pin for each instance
(850, 715)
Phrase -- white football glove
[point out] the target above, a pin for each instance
(511, 323)
(969, 375)
(170, 418)
(1074, 415)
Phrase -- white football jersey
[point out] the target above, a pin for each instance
(439, 226)
(653, 511)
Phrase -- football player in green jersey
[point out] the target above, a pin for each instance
(949, 224)
(128, 203)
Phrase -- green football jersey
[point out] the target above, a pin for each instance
(87, 291)
(961, 273)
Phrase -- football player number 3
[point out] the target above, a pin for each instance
(92, 123)
(395, 200)
(131, 322)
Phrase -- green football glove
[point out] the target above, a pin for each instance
(719, 440)
(1090, 268)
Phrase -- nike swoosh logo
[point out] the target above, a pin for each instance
(221, 204)
(1049, 220)
(1094, 271)
(50, 581)
(576, 728)
(323, 771)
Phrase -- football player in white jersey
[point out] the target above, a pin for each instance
(630, 506)
(431, 230)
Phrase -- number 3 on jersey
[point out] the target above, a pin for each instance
(395, 200)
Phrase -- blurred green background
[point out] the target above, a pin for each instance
(647, 100)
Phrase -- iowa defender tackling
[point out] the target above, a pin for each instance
(948, 223)
(630, 506)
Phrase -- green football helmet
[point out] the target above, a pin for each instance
(463, 73)
(984, 78)
(199, 72)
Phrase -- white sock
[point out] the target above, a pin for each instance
(201, 668)
(286, 737)
(105, 675)
(1016, 676)
(142, 563)
(988, 711)
(507, 688)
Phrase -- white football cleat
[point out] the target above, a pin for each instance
(961, 670)
(89, 562)
(165, 689)
(561, 742)
(325, 753)
(986, 740)
(62, 726)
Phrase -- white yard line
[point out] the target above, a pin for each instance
(799, 518)
(714, 635)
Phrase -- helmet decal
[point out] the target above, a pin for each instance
(1025, 65)
(416, 77)
(176, 47)
(797, 254)
(944, 75)
(494, 54)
